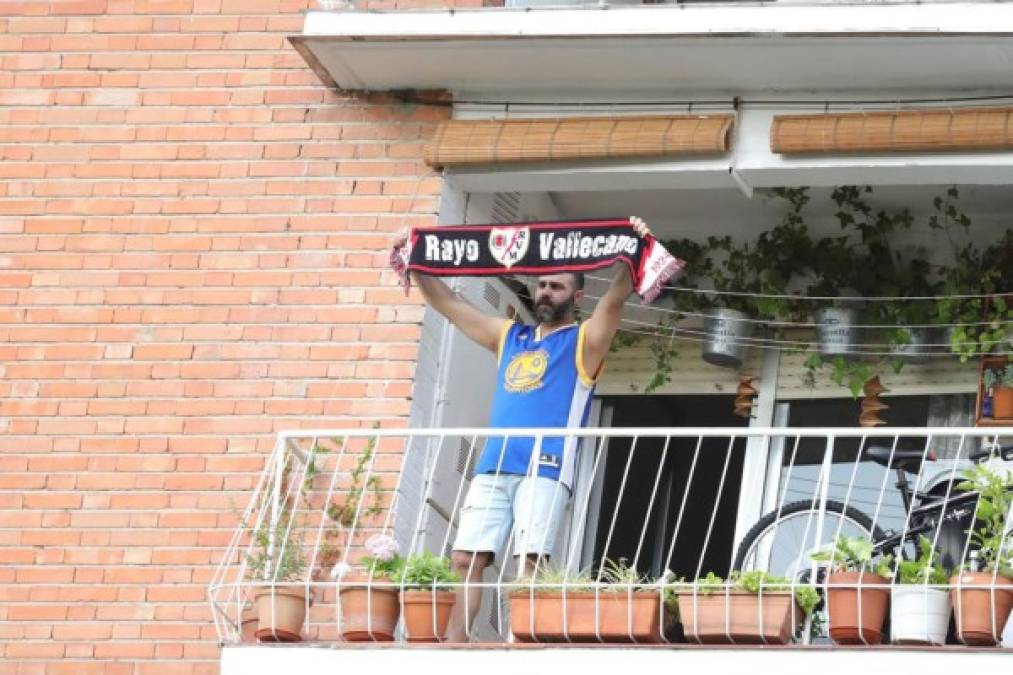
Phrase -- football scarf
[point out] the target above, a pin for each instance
(535, 249)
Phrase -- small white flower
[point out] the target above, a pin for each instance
(382, 547)
(340, 570)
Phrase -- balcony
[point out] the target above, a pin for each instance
(679, 509)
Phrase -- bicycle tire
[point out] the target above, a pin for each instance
(793, 508)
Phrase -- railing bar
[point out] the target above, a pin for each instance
(485, 521)
(717, 504)
(395, 499)
(619, 501)
(233, 547)
(507, 544)
(532, 473)
(585, 507)
(650, 504)
(324, 517)
(449, 517)
(294, 501)
(780, 508)
(425, 492)
(1004, 543)
(305, 489)
(682, 505)
(557, 490)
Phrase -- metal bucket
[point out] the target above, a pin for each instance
(836, 330)
(917, 348)
(726, 330)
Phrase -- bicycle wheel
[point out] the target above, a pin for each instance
(781, 541)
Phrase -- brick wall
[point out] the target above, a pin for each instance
(191, 235)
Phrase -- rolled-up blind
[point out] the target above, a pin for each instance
(531, 140)
(934, 130)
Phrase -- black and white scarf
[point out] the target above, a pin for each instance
(537, 248)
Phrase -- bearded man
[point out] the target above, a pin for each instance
(545, 379)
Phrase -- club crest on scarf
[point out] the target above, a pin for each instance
(509, 244)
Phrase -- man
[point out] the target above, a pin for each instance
(545, 378)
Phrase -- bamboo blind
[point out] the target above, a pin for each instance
(531, 140)
(918, 130)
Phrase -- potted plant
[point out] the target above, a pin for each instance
(426, 596)
(919, 610)
(999, 381)
(982, 593)
(857, 593)
(277, 564)
(368, 595)
(841, 264)
(248, 622)
(730, 318)
(556, 605)
(752, 608)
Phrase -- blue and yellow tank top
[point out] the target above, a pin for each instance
(539, 383)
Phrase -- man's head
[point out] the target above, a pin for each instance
(557, 295)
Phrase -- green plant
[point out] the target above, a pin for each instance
(383, 561)
(278, 553)
(552, 578)
(777, 256)
(709, 583)
(924, 568)
(732, 272)
(664, 353)
(425, 571)
(698, 269)
(852, 373)
(757, 581)
(980, 324)
(998, 377)
(854, 554)
(278, 550)
(993, 543)
(362, 499)
(618, 574)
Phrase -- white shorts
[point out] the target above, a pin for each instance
(496, 501)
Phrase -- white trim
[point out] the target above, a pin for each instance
(419, 660)
(706, 21)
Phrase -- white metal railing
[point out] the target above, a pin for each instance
(661, 499)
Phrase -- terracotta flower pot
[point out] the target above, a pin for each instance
(980, 611)
(616, 616)
(740, 617)
(368, 613)
(426, 614)
(856, 616)
(248, 625)
(1002, 403)
(281, 612)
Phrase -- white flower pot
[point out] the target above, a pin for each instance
(919, 615)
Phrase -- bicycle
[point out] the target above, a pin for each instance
(773, 540)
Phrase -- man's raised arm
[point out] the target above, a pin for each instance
(482, 328)
(603, 323)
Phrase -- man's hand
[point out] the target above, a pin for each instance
(400, 238)
(640, 226)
